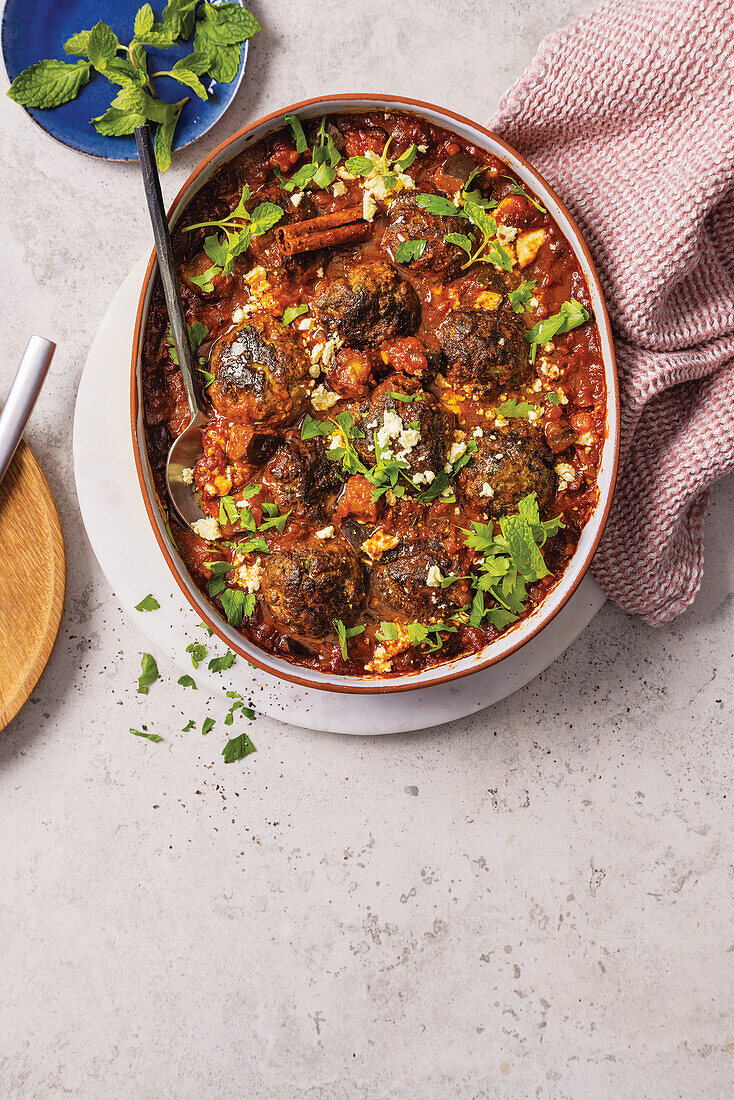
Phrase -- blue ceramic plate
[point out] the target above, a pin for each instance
(36, 29)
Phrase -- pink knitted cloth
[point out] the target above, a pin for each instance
(629, 114)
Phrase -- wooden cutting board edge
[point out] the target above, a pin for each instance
(19, 682)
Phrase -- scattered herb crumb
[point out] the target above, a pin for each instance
(189, 726)
(187, 682)
(147, 736)
(237, 748)
(207, 726)
(198, 653)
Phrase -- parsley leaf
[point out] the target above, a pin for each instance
(219, 664)
(237, 605)
(291, 312)
(570, 316)
(147, 736)
(148, 673)
(520, 297)
(187, 682)
(207, 725)
(189, 726)
(344, 633)
(514, 409)
(198, 653)
(310, 427)
(437, 204)
(516, 189)
(148, 603)
(237, 748)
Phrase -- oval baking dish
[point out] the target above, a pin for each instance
(414, 432)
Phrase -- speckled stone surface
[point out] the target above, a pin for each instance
(533, 902)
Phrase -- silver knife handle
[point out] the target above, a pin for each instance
(22, 397)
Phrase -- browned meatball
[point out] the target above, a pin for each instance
(368, 304)
(308, 587)
(509, 463)
(299, 475)
(423, 414)
(409, 221)
(400, 588)
(485, 348)
(260, 373)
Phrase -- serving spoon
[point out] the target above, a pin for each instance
(186, 449)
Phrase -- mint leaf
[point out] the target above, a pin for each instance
(224, 60)
(147, 736)
(461, 240)
(264, 217)
(49, 83)
(215, 250)
(237, 748)
(78, 43)
(407, 158)
(148, 603)
(144, 20)
(102, 44)
(164, 138)
(410, 250)
(148, 673)
(526, 556)
(298, 135)
(178, 16)
(116, 123)
(359, 166)
(227, 24)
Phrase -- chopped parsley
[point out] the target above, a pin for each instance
(220, 664)
(207, 725)
(147, 736)
(191, 724)
(198, 653)
(570, 316)
(291, 312)
(520, 297)
(514, 409)
(148, 603)
(237, 748)
(410, 250)
(187, 681)
(344, 633)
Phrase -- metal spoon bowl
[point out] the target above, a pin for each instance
(186, 449)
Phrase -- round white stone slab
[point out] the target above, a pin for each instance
(123, 541)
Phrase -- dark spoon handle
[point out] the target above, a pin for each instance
(167, 264)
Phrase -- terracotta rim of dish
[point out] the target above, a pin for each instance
(375, 685)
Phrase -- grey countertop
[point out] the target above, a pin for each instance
(534, 901)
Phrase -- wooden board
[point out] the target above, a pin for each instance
(32, 580)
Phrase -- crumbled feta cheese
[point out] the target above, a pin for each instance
(206, 529)
(424, 477)
(325, 533)
(376, 545)
(434, 577)
(486, 491)
(315, 352)
(422, 148)
(391, 428)
(500, 421)
(238, 315)
(369, 207)
(585, 440)
(248, 576)
(506, 234)
(187, 475)
(457, 450)
(305, 324)
(536, 386)
(338, 190)
(314, 370)
(566, 474)
(343, 174)
(320, 273)
(477, 433)
(257, 276)
(296, 198)
(331, 346)
(322, 399)
(380, 661)
(534, 415)
(237, 348)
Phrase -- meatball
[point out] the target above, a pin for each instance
(400, 588)
(260, 373)
(300, 475)
(307, 588)
(485, 348)
(509, 463)
(406, 220)
(368, 304)
(417, 431)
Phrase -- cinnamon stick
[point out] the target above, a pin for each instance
(339, 227)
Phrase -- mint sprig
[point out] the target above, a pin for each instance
(219, 32)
